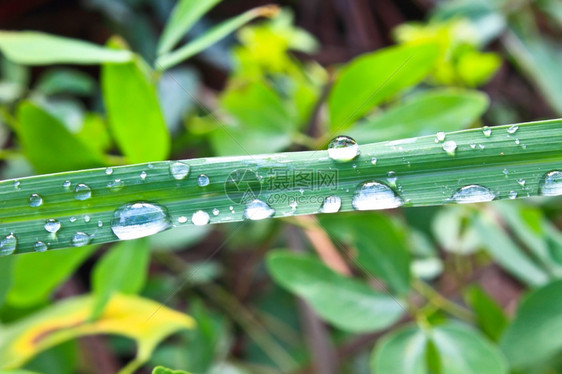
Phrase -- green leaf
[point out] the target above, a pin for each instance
(135, 117)
(212, 36)
(6, 266)
(402, 351)
(123, 269)
(422, 114)
(185, 14)
(489, 315)
(357, 308)
(36, 48)
(58, 81)
(48, 145)
(535, 335)
(54, 268)
(163, 370)
(375, 77)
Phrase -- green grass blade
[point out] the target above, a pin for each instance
(508, 163)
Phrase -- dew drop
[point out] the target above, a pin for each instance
(216, 212)
(257, 209)
(136, 220)
(52, 225)
(473, 193)
(86, 218)
(481, 146)
(17, 185)
(343, 148)
(331, 204)
(505, 172)
(179, 170)
(202, 180)
(66, 185)
(391, 178)
(512, 195)
(182, 219)
(39, 247)
(512, 129)
(100, 223)
(374, 195)
(440, 136)
(551, 184)
(8, 245)
(35, 200)
(517, 141)
(486, 131)
(521, 182)
(115, 185)
(81, 239)
(450, 146)
(109, 171)
(374, 161)
(143, 175)
(200, 218)
(82, 192)
(72, 219)
(472, 145)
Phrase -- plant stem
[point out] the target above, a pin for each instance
(441, 302)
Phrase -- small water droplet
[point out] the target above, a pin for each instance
(257, 209)
(512, 195)
(216, 212)
(35, 200)
(331, 204)
(86, 218)
(8, 245)
(440, 136)
(505, 172)
(521, 182)
(143, 175)
(200, 218)
(517, 141)
(374, 161)
(100, 223)
(81, 239)
(17, 185)
(115, 185)
(551, 184)
(82, 192)
(481, 146)
(39, 247)
(66, 185)
(450, 146)
(182, 219)
(472, 145)
(391, 178)
(203, 180)
(343, 148)
(109, 171)
(179, 170)
(486, 131)
(473, 193)
(374, 195)
(72, 219)
(512, 129)
(52, 225)
(136, 220)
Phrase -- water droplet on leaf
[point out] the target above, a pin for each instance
(331, 204)
(203, 180)
(374, 195)
(450, 146)
(52, 225)
(35, 200)
(200, 218)
(343, 148)
(136, 220)
(81, 239)
(82, 192)
(551, 184)
(179, 170)
(8, 245)
(39, 247)
(487, 131)
(257, 209)
(473, 193)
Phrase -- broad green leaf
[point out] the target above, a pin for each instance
(489, 315)
(36, 48)
(453, 228)
(185, 14)
(424, 113)
(177, 90)
(48, 145)
(357, 307)
(402, 351)
(143, 320)
(54, 266)
(94, 132)
(6, 266)
(535, 335)
(123, 269)
(476, 68)
(163, 370)
(135, 117)
(58, 81)
(375, 77)
(218, 32)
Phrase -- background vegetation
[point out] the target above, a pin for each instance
(454, 289)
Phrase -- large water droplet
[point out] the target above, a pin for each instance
(450, 146)
(257, 209)
(81, 239)
(82, 192)
(136, 220)
(179, 170)
(40, 247)
(551, 184)
(52, 226)
(473, 193)
(331, 204)
(203, 180)
(35, 200)
(8, 245)
(343, 148)
(374, 195)
(487, 131)
(200, 218)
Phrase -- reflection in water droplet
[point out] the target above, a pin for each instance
(66, 185)
(179, 170)
(551, 184)
(109, 171)
(472, 145)
(512, 195)
(182, 219)
(374, 161)
(521, 182)
(200, 218)
(450, 146)
(374, 195)
(216, 212)
(391, 178)
(81, 239)
(331, 204)
(100, 223)
(257, 209)
(512, 129)
(8, 245)
(136, 220)
(440, 136)
(17, 185)
(473, 193)
(86, 218)
(39, 247)
(82, 192)
(203, 180)
(35, 200)
(486, 131)
(143, 175)
(343, 148)
(52, 226)
(115, 185)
